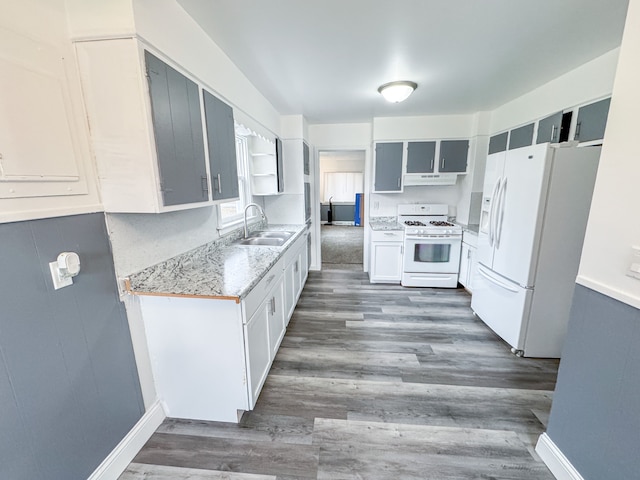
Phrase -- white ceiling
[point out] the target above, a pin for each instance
(325, 59)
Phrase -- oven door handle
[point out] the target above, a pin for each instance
(435, 239)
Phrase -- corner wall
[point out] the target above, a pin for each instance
(69, 387)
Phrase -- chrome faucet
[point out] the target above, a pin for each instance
(262, 214)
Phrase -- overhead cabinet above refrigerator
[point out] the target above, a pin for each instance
(534, 214)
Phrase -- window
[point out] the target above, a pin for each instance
(342, 186)
(232, 212)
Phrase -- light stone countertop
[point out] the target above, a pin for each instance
(471, 228)
(385, 223)
(219, 269)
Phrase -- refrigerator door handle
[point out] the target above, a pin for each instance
(500, 219)
(492, 211)
(497, 282)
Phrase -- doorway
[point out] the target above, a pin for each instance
(341, 191)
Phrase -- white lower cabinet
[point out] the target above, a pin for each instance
(210, 357)
(468, 260)
(387, 250)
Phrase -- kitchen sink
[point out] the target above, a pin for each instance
(264, 241)
(266, 238)
(265, 234)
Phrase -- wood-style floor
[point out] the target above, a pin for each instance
(374, 382)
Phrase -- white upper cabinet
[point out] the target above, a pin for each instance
(39, 151)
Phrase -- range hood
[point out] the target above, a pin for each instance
(411, 179)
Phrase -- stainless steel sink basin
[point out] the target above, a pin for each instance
(264, 241)
(269, 234)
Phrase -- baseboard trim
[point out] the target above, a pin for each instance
(555, 460)
(121, 456)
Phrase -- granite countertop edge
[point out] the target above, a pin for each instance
(221, 269)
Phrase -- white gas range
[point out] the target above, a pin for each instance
(432, 246)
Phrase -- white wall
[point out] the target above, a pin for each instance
(340, 161)
(614, 224)
(591, 81)
(44, 21)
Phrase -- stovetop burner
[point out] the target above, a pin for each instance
(414, 223)
(439, 223)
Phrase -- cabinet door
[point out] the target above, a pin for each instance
(289, 291)
(463, 274)
(221, 139)
(177, 125)
(498, 143)
(592, 120)
(521, 137)
(279, 165)
(258, 351)
(305, 157)
(421, 157)
(453, 156)
(549, 129)
(275, 306)
(386, 262)
(473, 266)
(388, 168)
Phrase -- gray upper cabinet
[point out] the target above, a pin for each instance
(421, 157)
(177, 124)
(280, 165)
(592, 120)
(549, 129)
(521, 137)
(388, 167)
(453, 156)
(221, 139)
(305, 155)
(498, 143)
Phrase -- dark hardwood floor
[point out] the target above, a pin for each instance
(374, 382)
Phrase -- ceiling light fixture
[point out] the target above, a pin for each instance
(396, 92)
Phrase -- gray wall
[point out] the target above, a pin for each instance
(69, 389)
(594, 418)
(339, 213)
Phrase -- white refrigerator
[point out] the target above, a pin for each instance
(535, 207)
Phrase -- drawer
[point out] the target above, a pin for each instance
(470, 238)
(258, 293)
(292, 252)
(387, 235)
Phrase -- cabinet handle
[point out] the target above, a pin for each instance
(442, 163)
(273, 305)
(577, 134)
(398, 182)
(295, 267)
(553, 132)
(219, 184)
(204, 182)
(431, 164)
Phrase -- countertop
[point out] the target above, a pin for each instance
(220, 269)
(471, 228)
(385, 223)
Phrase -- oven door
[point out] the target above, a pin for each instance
(432, 254)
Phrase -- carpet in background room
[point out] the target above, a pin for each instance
(342, 244)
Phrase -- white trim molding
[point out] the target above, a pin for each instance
(121, 456)
(555, 460)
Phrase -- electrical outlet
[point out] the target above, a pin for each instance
(634, 267)
(376, 205)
